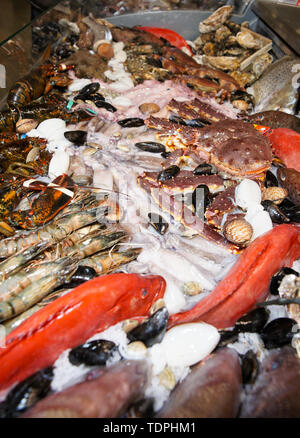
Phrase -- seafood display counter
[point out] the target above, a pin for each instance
(149, 229)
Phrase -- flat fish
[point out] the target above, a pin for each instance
(278, 87)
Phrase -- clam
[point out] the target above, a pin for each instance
(274, 194)
(26, 125)
(149, 108)
(167, 378)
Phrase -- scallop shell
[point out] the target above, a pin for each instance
(26, 125)
(238, 231)
(274, 194)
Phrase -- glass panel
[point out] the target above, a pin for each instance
(24, 49)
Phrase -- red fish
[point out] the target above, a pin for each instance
(286, 145)
(247, 283)
(73, 318)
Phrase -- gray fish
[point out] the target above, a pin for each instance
(276, 392)
(211, 390)
(278, 87)
(106, 393)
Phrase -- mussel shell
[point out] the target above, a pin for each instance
(100, 103)
(165, 154)
(92, 353)
(151, 146)
(131, 122)
(286, 205)
(168, 173)
(196, 123)
(271, 180)
(227, 337)
(151, 331)
(204, 169)
(177, 119)
(27, 393)
(249, 367)
(200, 199)
(278, 332)
(96, 97)
(90, 88)
(276, 214)
(158, 223)
(278, 277)
(81, 96)
(77, 137)
(293, 213)
(83, 273)
(253, 322)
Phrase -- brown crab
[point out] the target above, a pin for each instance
(233, 146)
(234, 149)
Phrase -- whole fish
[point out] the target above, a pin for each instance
(106, 393)
(274, 119)
(211, 390)
(276, 392)
(278, 87)
(74, 317)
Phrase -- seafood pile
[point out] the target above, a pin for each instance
(233, 48)
(150, 240)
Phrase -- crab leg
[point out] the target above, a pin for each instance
(73, 318)
(247, 283)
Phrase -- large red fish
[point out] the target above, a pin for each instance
(73, 318)
(247, 283)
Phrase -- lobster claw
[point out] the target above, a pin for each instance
(46, 206)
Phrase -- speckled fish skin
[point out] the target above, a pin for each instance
(211, 390)
(290, 180)
(275, 119)
(106, 393)
(276, 392)
(274, 90)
